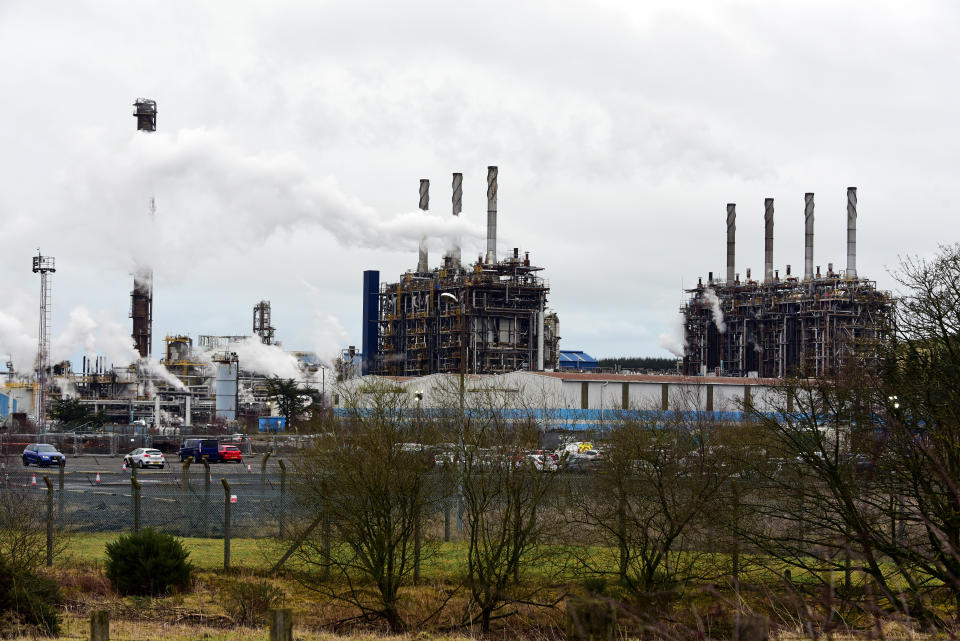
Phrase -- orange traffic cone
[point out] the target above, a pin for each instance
(98, 478)
(33, 481)
(124, 466)
(249, 469)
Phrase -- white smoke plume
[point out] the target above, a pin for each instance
(674, 341)
(711, 297)
(268, 360)
(201, 179)
(155, 368)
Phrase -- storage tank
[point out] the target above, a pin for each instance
(227, 390)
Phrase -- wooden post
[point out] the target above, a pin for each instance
(226, 524)
(281, 624)
(206, 498)
(591, 620)
(49, 483)
(99, 625)
(751, 628)
(60, 498)
(263, 478)
(446, 520)
(188, 521)
(135, 498)
(282, 508)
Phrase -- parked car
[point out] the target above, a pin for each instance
(145, 457)
(200, 449)
(230, 454)
(42, 454)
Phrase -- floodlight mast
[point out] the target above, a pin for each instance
(43, 265)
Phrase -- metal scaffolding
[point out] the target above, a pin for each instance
(497, 311)
(783, 327)
(809, 326)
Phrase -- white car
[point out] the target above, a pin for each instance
(145, 457)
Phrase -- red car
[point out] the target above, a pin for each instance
(230, 453)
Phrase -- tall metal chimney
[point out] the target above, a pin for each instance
(768, 240)
(808, 236)
(422, 266)
(457, 208)
(851, 232)
(731, 241)
(491, 214)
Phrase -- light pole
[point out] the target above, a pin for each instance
(602, 386)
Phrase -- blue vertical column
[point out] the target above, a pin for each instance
(371, 314)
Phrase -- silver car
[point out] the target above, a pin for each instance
(145, 457)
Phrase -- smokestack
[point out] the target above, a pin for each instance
(808, 236)
(457, 208)
(768, 240)
(851, 232)
(491, 214)
(731, 240)
(422, 265)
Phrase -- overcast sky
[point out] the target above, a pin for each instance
(292, 136)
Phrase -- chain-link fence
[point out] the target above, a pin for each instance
(189, 502)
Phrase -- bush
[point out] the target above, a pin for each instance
(148, 563)
(248, 602)
(27, 600)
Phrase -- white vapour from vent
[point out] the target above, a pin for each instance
(155, 368)
(711, 297)
(86, 332)
(674, 341)
(201, 178)
(268, 360)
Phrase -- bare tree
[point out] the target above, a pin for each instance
(664, 475)
(370, 492)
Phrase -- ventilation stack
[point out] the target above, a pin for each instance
(768, 240)
(141, 298)
(457, 208)
(731, 241)
(851, 232)
(808, 236)
(491, 215)
(422, 265)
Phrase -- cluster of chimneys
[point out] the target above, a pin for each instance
(768, 273)
(491, 257)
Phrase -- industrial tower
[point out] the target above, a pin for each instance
(141, 298)
(43, 265)
(261, 322)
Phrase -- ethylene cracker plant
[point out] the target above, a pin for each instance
(485, 318)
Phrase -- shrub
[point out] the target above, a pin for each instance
(148, 563)
(28, 600)
(248, 602)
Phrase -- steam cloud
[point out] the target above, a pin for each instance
(201, 179)
(711, 297)
(674, 341)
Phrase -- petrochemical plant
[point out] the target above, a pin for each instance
(488, 319)
(785, 325)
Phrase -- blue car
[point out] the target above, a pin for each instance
(42, 454)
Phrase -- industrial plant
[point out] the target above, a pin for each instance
(784, 325)
(191, 384)
(486, 318)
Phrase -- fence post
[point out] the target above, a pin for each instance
(99, 625)
(226, 524)
(46, 479)
(281, 624)
(135, 498)
(206, 498)
(60, 498)
(187, 522)
(446, 519)
(283, 497)
(591, 620)
(263, 474)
